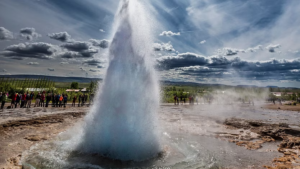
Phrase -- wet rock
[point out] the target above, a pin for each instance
(35, 138)
(250, 145)
(290, 142)
(267, 139)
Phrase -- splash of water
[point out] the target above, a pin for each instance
(123, 122)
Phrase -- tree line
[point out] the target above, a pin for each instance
(9, 84)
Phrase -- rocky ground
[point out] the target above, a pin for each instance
(22, 128)
(254, 129)
(253, 134)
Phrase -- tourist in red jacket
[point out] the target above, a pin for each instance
(23, 101)
(13, 100)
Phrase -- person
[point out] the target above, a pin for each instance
(92, 98)
(197, 100)
(42, 103)
(83, 99)
(13, 100)
(23, 99)
(53, 96)
(61, 100)
(29, 99)
(65, 100)
(37, 100)
(48, 98)
(79, 99)
(57, 99)
(19, 96)
(74, 100)
(175, 99)
(3, 100)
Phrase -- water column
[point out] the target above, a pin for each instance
(123, 122)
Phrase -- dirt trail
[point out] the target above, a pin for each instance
(16, 136)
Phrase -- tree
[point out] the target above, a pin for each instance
(74, 85)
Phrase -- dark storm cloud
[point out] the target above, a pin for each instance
(39, 50)
(181, 60)
(69, 55)
(60, 36)
(100, 43)
(222, 67)
(5, 34)
(83, 54)
(191, 59)
(76, 46)
(92, 62)
(78, 49)
(272, 65)
(29, 33)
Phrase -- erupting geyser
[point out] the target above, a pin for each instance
(123, 122)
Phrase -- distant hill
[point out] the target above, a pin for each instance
(192, 84)
(53, 78)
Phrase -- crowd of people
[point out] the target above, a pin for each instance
(43, 99)
(182, 100)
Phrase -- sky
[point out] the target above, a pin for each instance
(233, 42)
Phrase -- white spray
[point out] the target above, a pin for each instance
(123, 122)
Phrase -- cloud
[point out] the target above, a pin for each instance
(64, 63)
(29, 33)
(100, 43)
(163, 47)
(255, 49)
(202, 42)
(39, 50)
(78, 49)
(229, 51)
(60, 36)
(32, 63)
(100, 66)
(169, 33)
(230, 68)
(84, 54)
(93, 62)
(94, 70)
(232, 51)
(272, 48)
(181, 60)
(101, 30)
(77, 46)
(51, 69)
(5, 34)
(82, 69)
